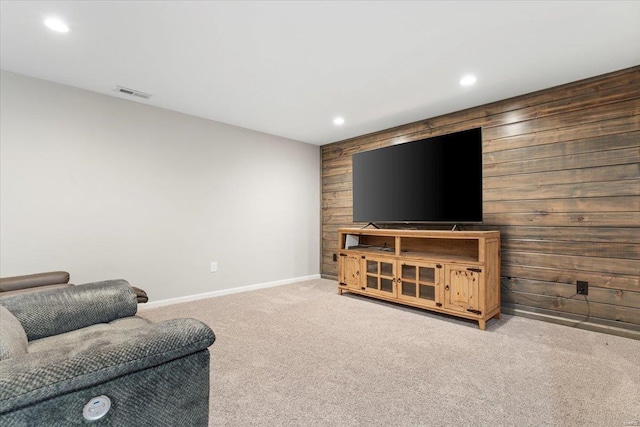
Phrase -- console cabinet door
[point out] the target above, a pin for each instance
(419, 282)
(380, 275)
(461, 288)
(349, 268)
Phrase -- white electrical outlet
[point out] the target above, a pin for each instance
(214, 266)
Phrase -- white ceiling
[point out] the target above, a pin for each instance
(288, 68)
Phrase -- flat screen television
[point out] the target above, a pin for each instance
(433, 180)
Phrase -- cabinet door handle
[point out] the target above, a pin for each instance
(446, 287)
(357, 273)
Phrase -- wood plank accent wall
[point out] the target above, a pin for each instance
(561, 183)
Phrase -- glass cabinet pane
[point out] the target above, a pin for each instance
(408, 288)
(386, 285)
(408, 272)
(372, 267)
(427, 274)
(386, 269)
(372, 282)
(428, 292)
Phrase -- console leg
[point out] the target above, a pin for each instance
(482, 324)
(339, 291)
(497, 316)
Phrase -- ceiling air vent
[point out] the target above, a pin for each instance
(132, 92)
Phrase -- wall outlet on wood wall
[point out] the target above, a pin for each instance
(582, 288)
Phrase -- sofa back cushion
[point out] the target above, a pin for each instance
(13, 339)
(56, 311)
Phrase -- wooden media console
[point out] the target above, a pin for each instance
(452, 272)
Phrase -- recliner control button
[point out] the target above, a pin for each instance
(96, 408)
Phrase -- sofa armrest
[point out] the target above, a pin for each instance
(55, 311)
(33, 280)
(34, 377)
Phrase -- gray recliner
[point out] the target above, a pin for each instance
(80, 356)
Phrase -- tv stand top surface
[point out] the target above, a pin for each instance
(449, 234)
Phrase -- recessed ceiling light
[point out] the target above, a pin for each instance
(468, 80)
(56, 25)
(338, 121)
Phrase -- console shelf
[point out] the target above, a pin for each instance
(453, 272)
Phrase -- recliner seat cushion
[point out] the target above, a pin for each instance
(95, 335)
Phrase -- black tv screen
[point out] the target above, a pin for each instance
(437, 179)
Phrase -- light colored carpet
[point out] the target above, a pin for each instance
(301, 355)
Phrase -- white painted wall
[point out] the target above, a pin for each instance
(107, 188)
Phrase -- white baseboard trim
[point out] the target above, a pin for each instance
(222, 292)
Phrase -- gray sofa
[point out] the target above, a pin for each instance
(80, 356)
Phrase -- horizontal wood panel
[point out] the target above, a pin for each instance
(567, 93)
(571, 118)
(344, 169)
(336, 195)
(345, 212)
(563, 106)
(577, 161)
(329, 165)
(330, 274)
(332, 230)
(599, 234)
(335, 179)
(330, 250)
(342, 186)
(576, 305)
(330, 218)
(328, 237)
(607, 250)
(628, 187)
(564, 148)
(576, 219)
(336, 198)
(570, 176)
(569, 262)
(327, 256)
(611, 127)
(566, 290)
(606, 326)
(545, 206)
(330, 270)
(337, 203)
(609, 281)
